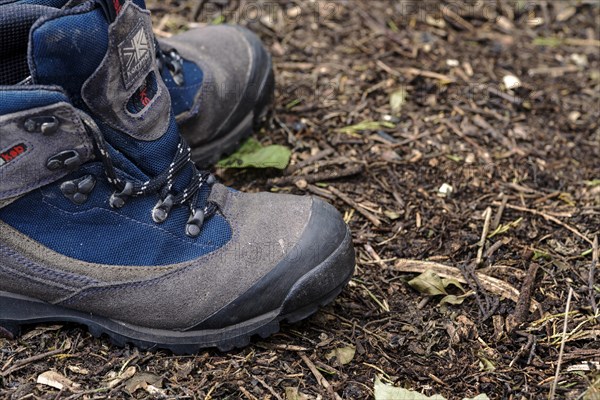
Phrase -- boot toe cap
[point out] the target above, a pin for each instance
(310, 274)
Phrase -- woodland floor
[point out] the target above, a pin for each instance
(456, 143)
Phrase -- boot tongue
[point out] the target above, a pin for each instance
(103, 55)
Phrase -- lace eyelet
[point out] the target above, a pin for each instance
(47, 125)
(69, 159)
(194, 224)
(161, 210)
(117, 200)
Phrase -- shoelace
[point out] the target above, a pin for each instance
(172, 61)
(161, 184)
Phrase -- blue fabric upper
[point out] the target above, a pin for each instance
(64, 51)
(182, 97)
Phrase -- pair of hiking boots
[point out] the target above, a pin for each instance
(106, 221)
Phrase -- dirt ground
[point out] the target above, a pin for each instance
(430, 125)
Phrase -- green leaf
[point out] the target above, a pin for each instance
(431, 284)
(505, 228)
(547, 41)
(454, 158)
(397, 100)
(343, 355)
(292, 393)
(593, 183)
(455, 300)
(454, 282)
(393, 215)
(218, 20)
(389, 392)
(253, 155)
(428, 283)
(366, 126)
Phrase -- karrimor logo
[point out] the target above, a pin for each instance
(136, 55)
(12, 153)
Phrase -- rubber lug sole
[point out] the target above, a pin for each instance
(19, 311)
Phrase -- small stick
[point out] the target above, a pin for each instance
(22, 363)
(414, 71)
(319, 177)
(198, 9)
(492, 249)
(320, 378)
(269, 388)
(521, 309)
(562, 346)
(320, 192)
(246, 393)
(342, 196)
(457, 19)
(547, 217)
(511, 99)
(592, 277)
(498, 217)
(309, 161)
(484, 234)
(374, 255)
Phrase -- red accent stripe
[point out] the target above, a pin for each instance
(117, 5)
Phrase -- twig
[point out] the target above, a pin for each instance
(530, 345)
(592, 277)
(401, 72)
(319, 177)
(472, 279)
(553, 71)
(269, 388)
(342, 196)
(320, 192)
(374, 255)
(22, 363)
(498, 217)
(547, 217)
(492, 249)
(198, 9)
(490, 283)
(246, 393)
(457, 19)
(309, 161)
(320, 378)
(562, 346)
(520, 314)
(484, 234)
(510, 98)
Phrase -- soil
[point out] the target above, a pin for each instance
(416, 182)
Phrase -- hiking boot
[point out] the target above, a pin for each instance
(106, 222)
(220, 79)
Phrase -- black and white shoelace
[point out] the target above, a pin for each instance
(161, 184)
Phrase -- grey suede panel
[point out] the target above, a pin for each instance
(28, 171)
(112, 85)
(266, 228)
(219, 195)
(224, 54)
(25, 285)
(37, 253)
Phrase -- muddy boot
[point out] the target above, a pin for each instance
(106, 222)
(220, 79)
